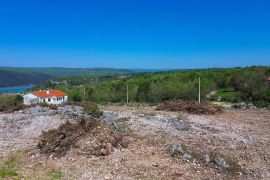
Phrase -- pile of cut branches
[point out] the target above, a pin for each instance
(58, 141)
(190, 107)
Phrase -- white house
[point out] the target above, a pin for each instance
(50, 96)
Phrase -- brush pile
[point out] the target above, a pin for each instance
(57, 142)
(86, 137)
(101, 141)
(190, 107)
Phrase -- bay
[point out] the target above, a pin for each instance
(15, 89)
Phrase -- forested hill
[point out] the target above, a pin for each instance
(11, 76)
(228, 84)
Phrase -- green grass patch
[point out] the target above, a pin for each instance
(122, 120)
(8, 167)
(121, 103)
(149, 114)
(227, 94)
(55, 174)
(7, 172)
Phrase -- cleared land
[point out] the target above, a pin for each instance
(134, 142)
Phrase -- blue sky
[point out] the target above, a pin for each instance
(135, 33)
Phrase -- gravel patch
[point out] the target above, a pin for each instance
(20, 130)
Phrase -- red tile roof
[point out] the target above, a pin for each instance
(48, 93)
(266, 79)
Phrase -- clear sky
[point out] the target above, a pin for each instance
(134, 33)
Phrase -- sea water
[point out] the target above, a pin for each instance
(14, 89)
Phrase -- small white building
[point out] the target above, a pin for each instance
(50, 96)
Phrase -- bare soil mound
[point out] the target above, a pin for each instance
(89, 137)
(190, 107)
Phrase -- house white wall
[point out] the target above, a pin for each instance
(54, 100)
(32, 99)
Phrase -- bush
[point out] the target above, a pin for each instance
(92, 109)
(10, 102)
(75, 95)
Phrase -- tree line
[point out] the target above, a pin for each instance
(158, 87)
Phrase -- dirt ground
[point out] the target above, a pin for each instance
(241, 137)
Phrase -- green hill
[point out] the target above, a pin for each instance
(11, 76)
(230, 84)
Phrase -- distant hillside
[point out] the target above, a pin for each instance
(10, 76)
(62, 72)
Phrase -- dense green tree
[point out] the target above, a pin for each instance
(143, 91)
(74, 95)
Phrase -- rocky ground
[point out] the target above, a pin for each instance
(159, 145)
(19, 130)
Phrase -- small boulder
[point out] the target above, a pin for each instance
(180, 126)
(187, 157)
(206, 158)
(176, 150)
(219, 161)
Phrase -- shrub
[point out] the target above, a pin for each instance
(92, 109)
(10, 102)
(51, 106)
(123, 126)
(75, 95)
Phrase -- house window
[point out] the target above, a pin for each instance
(49, 100)
(44, 100)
